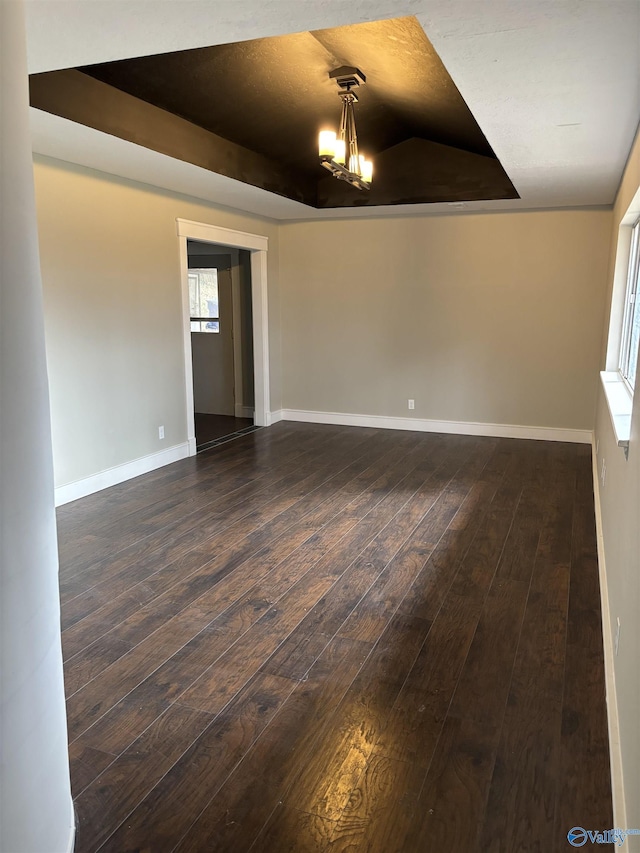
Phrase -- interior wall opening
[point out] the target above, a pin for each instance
(221, 331)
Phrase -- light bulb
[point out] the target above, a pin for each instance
(367, 171)
(339, 155)
(327, 143)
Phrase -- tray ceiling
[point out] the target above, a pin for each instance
(251, 111)
(553, 84)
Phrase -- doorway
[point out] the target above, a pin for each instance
(221, 330)
(256, 247)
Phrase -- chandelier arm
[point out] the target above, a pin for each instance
(353, 143)
(344, 117)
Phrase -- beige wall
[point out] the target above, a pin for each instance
(620, 504)
(493, 318)
(489, 318)
(113, 317)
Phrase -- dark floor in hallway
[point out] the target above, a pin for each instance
(211, 427)
(322, 638)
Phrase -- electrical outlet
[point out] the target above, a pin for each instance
(160, 432)
(617, 640)
(412, 404)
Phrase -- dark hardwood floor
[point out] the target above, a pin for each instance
(212, 427)
(321, 638)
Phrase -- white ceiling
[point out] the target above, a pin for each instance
(554, 85)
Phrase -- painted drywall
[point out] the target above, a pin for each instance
(212, 353)
(212, 377)
(620, 509)
(492, 318)
(113, 316)
(36, 811)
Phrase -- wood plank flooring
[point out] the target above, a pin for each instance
(320, 638)
(209, 428)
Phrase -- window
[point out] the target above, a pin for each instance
(619, 379)
(203, 300)
(631, 322)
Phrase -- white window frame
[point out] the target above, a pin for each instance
(626, 358)
(618, 391)
(195, 274)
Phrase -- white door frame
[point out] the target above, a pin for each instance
(258, 246)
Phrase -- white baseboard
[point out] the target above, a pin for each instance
(112, 476)
(244, 411)
(119, 474)
(72, 829)
(615, 750)
(575, 436)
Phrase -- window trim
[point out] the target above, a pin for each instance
(194, 273)
(620, 404)
(617, 390)
(630, 300)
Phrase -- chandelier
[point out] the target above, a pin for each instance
(339, 151)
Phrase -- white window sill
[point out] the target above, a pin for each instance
(620, 403)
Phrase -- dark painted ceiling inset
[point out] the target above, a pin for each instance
(255, 108)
